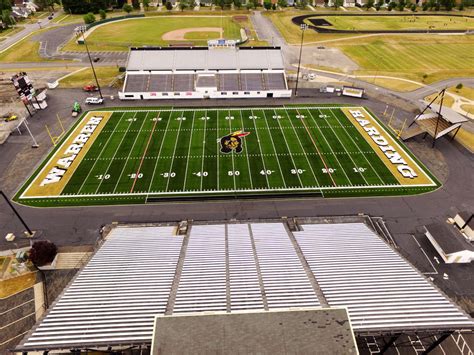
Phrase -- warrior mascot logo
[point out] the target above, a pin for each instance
(233, 141)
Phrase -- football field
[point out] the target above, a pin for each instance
(144, 155)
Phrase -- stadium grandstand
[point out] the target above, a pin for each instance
(202, 72)
(142, 274)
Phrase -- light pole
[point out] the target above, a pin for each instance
(82, 30)
(30, 232)
(303, 27)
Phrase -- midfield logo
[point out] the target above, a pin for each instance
(232, 142)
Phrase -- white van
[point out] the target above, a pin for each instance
(94, 101)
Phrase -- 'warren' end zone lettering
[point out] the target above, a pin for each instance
(393, 156)
(70, 153)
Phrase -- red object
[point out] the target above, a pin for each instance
(90, 88)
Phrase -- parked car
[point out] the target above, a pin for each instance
(11, 118)
(90, 88)
(94, 101)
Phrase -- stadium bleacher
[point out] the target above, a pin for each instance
(154, 73)
(186, 82)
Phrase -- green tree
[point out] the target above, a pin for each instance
(136, 4)
(338, 4)
(5, 5)
(183, 4)
(7, 18)
(283, 3)
(102, 14)
(238, 4)
(89, 18)
(370, 4)
(267, 5)
(413, 7)
(169, 6)
(254, 3)
(127, 8)
(42, 252)
(146, 4)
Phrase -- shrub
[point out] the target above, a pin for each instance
(102, 14)
(42, 252)
(169, 6)
(136, 4)
(459, 86)
(127, 8)
(267, 5)
(89, 18)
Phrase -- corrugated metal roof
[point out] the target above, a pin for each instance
(356, 269)
(142, 272)
(211, 59)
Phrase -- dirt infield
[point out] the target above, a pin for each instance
(178, 35)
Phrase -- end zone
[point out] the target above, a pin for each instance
(403, 167)
(55, 174)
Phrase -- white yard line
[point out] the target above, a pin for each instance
(232, 152)
(174, 153)
(302, 148)
(101, 151)
(260, 147)
(274, 149)
(115, 153)
(159, 152)
(203, 149)
(246, 150)
(330, 148)
(130, 152)
(287, 147)
(218, 150)
(189, 152)
(358, 147)
(342, 144)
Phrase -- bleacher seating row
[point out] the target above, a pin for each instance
(188, 82)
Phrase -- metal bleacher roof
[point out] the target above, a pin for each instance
(141, 272)
(204, 59)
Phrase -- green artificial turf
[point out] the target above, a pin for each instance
(142, 155)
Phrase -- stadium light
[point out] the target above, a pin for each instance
(82, 30)
(303, 27)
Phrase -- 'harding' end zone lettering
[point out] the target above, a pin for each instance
(381, 141)
(71, 152)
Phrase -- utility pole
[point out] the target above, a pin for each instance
(83, 30)
(303, 27)
(16, 213)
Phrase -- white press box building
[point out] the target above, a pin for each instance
(202, 72)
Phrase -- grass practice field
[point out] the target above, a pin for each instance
(141, 155)
(408, 22)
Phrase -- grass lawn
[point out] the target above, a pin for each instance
(393, 84)
(466, 91)
(468, 108)
(144, 154)
(24, 51)
(412, 56)
(106, 75)
(119, 36)
(64, 19)
(10, 31)
(408, 22)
